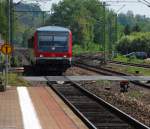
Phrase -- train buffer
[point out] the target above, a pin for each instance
(35, 108)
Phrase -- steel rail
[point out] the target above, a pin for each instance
(64, 92)
(74, 109)
(130, 64)
(108, 72)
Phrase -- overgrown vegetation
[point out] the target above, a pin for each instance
(136, 94)
(136, 42)
(15, 80)
(132, 70)
(131, 59)
(77, 49)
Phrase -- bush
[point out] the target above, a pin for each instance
(136, 42)
(131, 59)
(91, 48)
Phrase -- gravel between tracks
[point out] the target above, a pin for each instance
(136, 102)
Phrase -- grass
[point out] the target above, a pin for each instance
(132, 70)
(15, 80)
(104, 82)
(142, 71)
(135, 94)
(122, 58)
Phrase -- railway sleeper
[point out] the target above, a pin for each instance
(113, 126)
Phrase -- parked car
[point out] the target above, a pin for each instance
(141, 55)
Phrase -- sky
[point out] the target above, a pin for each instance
(117, 6)
(137, 8)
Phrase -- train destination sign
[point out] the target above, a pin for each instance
(6, 49)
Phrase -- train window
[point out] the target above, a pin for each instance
(61, 38)
(60, 41)
(55, 42)
(45, 38)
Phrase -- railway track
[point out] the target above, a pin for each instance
(98, 57)
(130, 64)
(94, 111)
(108, 72)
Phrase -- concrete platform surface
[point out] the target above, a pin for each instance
(35, 108)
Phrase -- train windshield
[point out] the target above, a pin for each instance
(54, 43)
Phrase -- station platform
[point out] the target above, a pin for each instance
(35, 108)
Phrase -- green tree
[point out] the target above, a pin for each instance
(25, 23)
(127, 30)
(129, 19)
(3, 19)
(84, 18)
(136, 28)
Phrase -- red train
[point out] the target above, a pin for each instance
(52, 48)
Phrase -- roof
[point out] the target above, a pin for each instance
(53, 28)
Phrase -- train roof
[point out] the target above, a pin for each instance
(53, 28)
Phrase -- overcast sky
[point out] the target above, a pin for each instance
(137, 8)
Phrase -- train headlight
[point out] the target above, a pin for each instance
(53, 48)
(65, 56)
(41, 55)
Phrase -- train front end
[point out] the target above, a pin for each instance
(53, 48)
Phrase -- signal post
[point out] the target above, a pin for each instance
(7, 50)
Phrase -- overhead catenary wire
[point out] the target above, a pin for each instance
(145, 2)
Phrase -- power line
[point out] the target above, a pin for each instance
(121, 1)
(31, 11)
(145, 2)
(120, 8)
(38, 1)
